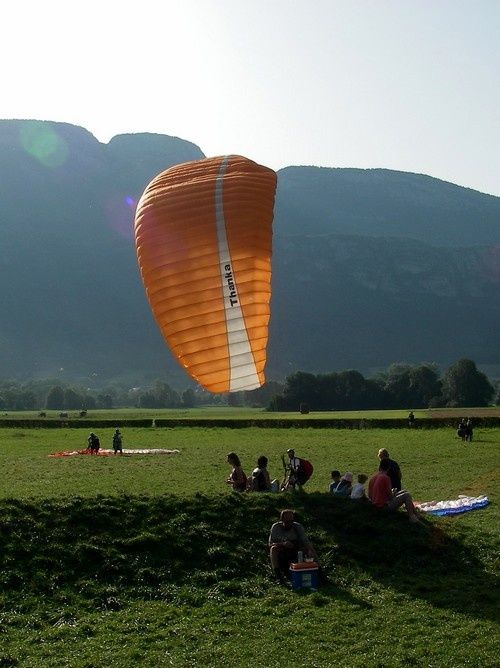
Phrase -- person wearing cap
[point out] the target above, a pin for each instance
(117, 442)
(286, 538)
(293, 461)
(345, 485)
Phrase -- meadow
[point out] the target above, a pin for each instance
(151, 560)
(215, 413)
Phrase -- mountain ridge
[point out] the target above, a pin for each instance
(369, 267)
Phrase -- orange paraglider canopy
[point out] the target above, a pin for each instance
(203, 234)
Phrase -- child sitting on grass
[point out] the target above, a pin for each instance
(358, 490)
(345, 485)
(335, 481)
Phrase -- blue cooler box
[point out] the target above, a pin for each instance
(304, 578)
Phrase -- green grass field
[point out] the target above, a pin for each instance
(151, 561)
(228, 413)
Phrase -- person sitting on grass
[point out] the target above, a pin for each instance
(383, 495)
(286, 538)
(345, 485)
(237, 478)
(394, 472)
(358, 490)
(260, 480)
(297, 472)
(335, 481)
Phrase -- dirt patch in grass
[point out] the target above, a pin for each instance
(491, 411)
(489, 480)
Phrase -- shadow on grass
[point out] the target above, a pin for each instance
(437, 561)
(107, 550)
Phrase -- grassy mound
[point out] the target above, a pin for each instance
(101, 552)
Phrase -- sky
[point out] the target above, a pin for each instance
(411, 85)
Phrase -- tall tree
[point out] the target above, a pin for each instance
(188, 398)
(464, 385)
(301, 387)
(55, 399)
(72, 400)
(424, 385)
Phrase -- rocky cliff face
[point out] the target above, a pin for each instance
(369, 266)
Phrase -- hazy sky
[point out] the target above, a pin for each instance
(412, 85)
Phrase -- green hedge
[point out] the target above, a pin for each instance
(267, 423)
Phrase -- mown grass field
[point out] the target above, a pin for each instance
(232, 413)
(151, 561)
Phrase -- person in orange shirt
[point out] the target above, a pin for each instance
(383, 495)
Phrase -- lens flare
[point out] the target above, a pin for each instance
(41, 141)
(120, 212)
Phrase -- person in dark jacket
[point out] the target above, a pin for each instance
(117, 442)
(260, 480)
(93, 443)
(393, 470)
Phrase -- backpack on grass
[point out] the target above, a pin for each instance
(305, 471)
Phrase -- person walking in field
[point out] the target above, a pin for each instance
(117, 442)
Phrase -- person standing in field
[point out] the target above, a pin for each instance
(93, 444)
(117, 442)
(393, 471)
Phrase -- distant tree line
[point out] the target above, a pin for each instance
(56, 396)
(401, 386)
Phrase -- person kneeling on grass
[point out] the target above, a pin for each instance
(287, 537)
(383, 495)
